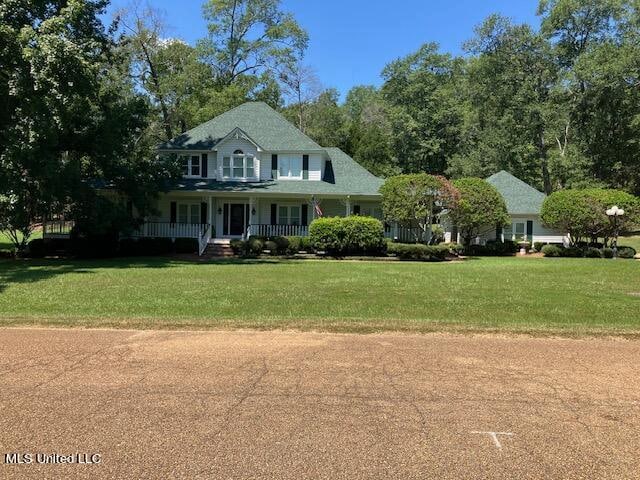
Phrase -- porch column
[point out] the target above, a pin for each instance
(252, 207)
(348, 206)
(210, 209)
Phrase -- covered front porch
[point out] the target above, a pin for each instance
(235, 216)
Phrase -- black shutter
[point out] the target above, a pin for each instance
(204, 170)
(305, 167)
(356, 209)
(203, 213)
(530, 230)
(274, 166)
(225, 220)
(173, 216)
(274, 214)
(304, 221)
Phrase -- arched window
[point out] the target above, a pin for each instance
(238, 166)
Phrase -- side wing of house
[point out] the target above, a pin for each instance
(523, 206)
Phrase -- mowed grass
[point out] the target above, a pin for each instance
(568, 296)
(631, 241)
(7, 245)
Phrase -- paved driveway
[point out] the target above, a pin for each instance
(305, 405)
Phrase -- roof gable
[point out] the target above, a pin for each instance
(257, 120)
(520, 197)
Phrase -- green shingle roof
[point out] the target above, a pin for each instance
(520, 197)
(349, 179)
(259, 121)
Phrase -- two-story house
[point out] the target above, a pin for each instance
(251, 172)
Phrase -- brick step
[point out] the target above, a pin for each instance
(217, 250)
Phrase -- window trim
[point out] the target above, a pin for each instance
(193, 160)
(289, 206)
(245, 170)
(289, 157)
(189, 207)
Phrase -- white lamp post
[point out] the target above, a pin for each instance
(613, 213)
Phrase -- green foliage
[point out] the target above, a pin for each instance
(552, 251)
(493, 248)
(418, 251)
(413, 199)
(593, 252)
(607, 253)
(255, 246)
(353, 235)
(537, 246)
(582, 213)
(295, 245)
(626, 252)
(37, 248)
(249, 36)
(480, 206)
(271, 246)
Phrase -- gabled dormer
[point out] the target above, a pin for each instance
(250, 143)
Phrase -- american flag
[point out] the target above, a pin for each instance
(316, 207)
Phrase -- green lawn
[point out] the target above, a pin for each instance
(5, 242)
(633, 241)
(567, 296)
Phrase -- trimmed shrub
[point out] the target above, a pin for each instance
(254, 246)
(271, 246)
(537, 246)
(95, 246)
(36, 248)
(593, 252)
(626, 252)
(295, 245)
(355, 235)
(238, 246)
(186, 245)
(306, 246)
(418, 251)
(454, 248)
(494, 248)
(607, 252)
(573, 252)
(282, 245)
(551, 251)
(154, 246)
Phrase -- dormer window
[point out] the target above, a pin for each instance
(238, 166)
(290, 166)
(190, 165)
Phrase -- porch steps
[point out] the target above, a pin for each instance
(218, 248)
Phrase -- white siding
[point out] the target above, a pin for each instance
(316, 163)
(540, 233)
(315, 166)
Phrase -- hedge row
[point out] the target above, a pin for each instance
(494, 248)
(589, 252)
(418, 251)
(354, 235)
(275, 245)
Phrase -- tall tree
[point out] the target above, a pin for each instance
(424, 108)
(301, 87)
(598, 45)
(167, 69)
(513, 121)
(250, 37)
(72, 118)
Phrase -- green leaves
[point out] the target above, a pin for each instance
(582, 213)
(480, 206)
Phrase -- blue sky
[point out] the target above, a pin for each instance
(352, 40)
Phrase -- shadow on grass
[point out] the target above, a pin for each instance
(13, 271)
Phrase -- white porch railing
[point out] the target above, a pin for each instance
(171, 230)
(57, 228)
(402, 234)
(263, 230)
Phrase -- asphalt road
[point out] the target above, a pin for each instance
(305, 405)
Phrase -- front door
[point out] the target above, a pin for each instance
(235, 223)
